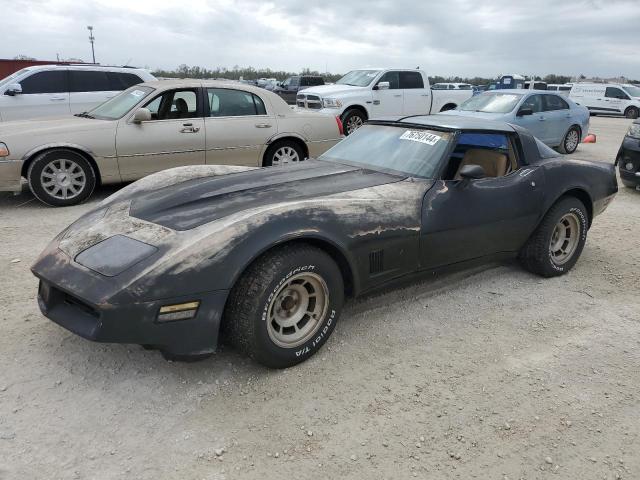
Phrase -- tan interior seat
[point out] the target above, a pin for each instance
(493, 162)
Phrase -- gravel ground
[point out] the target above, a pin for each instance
(491, 374)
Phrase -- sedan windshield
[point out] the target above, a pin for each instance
(396, 150)
(118, 106)
(491, 103)
(358, 78)
(633, 91)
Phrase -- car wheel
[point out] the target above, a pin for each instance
(282, 153)
(631, 112)
(61, 177)
(555, 246)
(285, 306)
(570, 141)
(352, 120)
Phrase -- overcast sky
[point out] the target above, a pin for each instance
(449, 37)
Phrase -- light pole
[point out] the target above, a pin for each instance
(91, 39)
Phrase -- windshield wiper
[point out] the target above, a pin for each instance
(83, 115)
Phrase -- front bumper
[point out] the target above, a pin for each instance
(10, 175)
(629, 154)
(69, 296)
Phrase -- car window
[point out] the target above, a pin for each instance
(317, 81)
(119, 105)
(534, 102)
(494, 152)
(45, 82)
(224, 102)
(304, 82)
(554, 102)
(81, 81)
(411, 80)
(122, 81)
(613, 92)
(295, 81)
(174, 104)
(393, 78)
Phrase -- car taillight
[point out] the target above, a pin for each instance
(340, 126)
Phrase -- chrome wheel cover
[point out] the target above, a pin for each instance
(565, 238)
(297, 310)
(572, 140)
(285, 155)
(63, 179)
(353, 123)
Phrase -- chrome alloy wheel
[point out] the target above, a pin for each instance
(297, 310)
(285, 155)
(572, 140)
(565, 239)
(354, 123)
(63, 179)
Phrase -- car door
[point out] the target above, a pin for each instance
(387, 102)
(44, 94)
(468, 219)
(557, 118)
(238, 126)
(174, 136)
(416, 99)
(88, 89)
(535, 122)
(615, 100)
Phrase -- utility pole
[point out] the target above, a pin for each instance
(91, 39)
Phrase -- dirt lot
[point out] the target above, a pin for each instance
(490, 374)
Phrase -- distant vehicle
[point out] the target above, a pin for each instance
(478, 89)
(537, 85)
(379, 92)
(452, 86)
(289, 89)
(55, 90)
(562, 89)
(261, 82)
(552, 118)
(611, 98)
(509, 81)
(154, 126)
(628, 159)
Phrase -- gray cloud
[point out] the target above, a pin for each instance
(463, 37)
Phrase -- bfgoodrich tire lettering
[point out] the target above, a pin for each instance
(266, 300)
(547, 253)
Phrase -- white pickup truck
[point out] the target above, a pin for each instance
(379, 92)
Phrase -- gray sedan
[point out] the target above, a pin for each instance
(554, 119)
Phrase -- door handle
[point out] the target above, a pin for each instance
(57, 99)
(263, 125)
(189, 128)
(399, 95)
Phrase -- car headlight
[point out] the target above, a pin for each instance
(4, 150)
(634, 131)
(331, 103)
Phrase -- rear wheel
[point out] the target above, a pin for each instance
(555, 246)
(282, 153)
(352, 120)
(631, 112)
(285, 306)
(570, 141)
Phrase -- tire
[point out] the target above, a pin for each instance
(631, 112)
(72, 185)
(352, 120)
(570, 141)
(538, 255)
(283, 152)
(252, 322)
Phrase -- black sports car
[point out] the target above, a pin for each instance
(264, 257)
(628, 159)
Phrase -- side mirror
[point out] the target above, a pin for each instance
(142, 115)
(524, 111)
(13, 89)
(382, 86)
(472, 172)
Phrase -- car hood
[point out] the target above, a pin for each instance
(470, 113)
(51, 125)
(195, 202)
(328, 90)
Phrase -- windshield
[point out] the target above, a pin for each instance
(491, 103)
(119, 105)
(10, 78)
(358, 78)
(397, 150)
(633, 91)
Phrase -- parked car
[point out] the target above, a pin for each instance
(549, 116)
(56, 90)
(611, 98)
(289, 89)
(452, 86)
(379, 92)
(266, 256)
(154, 126)
(628, 158)
(562, 89)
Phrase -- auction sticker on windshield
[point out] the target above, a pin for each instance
(420, 136)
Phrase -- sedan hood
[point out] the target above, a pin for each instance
(195, 202)
(328, 90)
(53, 125)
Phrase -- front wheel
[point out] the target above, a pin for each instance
(352, 120)
(285, 306)
(555, 246)
(570, 141)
